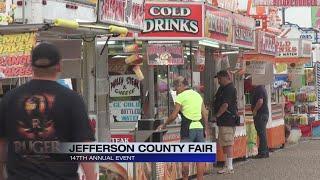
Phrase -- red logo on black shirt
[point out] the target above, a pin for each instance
(37, 124)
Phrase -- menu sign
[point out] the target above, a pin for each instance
(15, 50)
(165, 54)
(172, 20)
(244, 30)
(218, 24)
(266, 43)
(127, 13)
(124, 86)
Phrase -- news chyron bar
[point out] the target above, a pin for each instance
(130, 152)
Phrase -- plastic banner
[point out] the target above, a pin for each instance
(15, 50)
(165, 54)
(116, 170)
(127, 13)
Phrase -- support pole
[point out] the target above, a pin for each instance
(209, 77)
(102, 94)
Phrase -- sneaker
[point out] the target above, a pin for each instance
(226, 171)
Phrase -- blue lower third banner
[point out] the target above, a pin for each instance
(188, 157)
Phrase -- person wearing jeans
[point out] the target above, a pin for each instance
(260, 113)
(194, 120)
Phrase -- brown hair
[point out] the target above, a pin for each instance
(182, 80)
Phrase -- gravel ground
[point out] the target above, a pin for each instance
(295, 162)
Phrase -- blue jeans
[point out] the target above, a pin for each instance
(260, 123)
(195, 135)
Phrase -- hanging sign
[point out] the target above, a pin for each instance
(256, 67)
(287, 48)
(124, 86)
(200, 57)
(296, 69)
(280, 68)
(125, 111)
(244, 27)
(165, 54)
(15, 53)
(266, 43)
(219, 25)
(306, 48)
(127, 13)
(286, 3)
(231, 5)
(172, 20)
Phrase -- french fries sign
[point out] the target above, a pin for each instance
(15, 50)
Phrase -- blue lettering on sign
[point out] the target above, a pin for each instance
(129, 118)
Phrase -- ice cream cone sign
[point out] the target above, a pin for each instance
(138, 72)
(131, 48)
(134, 59)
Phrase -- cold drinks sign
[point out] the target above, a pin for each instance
(172, 20)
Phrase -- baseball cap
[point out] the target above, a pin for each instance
(222, 73)
(45, 55)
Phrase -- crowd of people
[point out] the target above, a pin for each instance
(194, 114)
(43, 110)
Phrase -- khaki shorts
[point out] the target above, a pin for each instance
(226, 135)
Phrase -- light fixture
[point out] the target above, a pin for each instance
(103, 42)
(230, 52)
(164, 42)
(209, 43)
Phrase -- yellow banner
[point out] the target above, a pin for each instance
(15, 50)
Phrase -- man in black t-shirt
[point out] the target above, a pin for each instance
(225, 108)
(38, 115)
(260, 113)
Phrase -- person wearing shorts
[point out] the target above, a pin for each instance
(189, 104)
(225, 107)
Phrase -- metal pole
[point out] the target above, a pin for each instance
(283, 15)
(168, 86)
(209, 74)
(191, 65)
(24, 11)
(102, 95)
